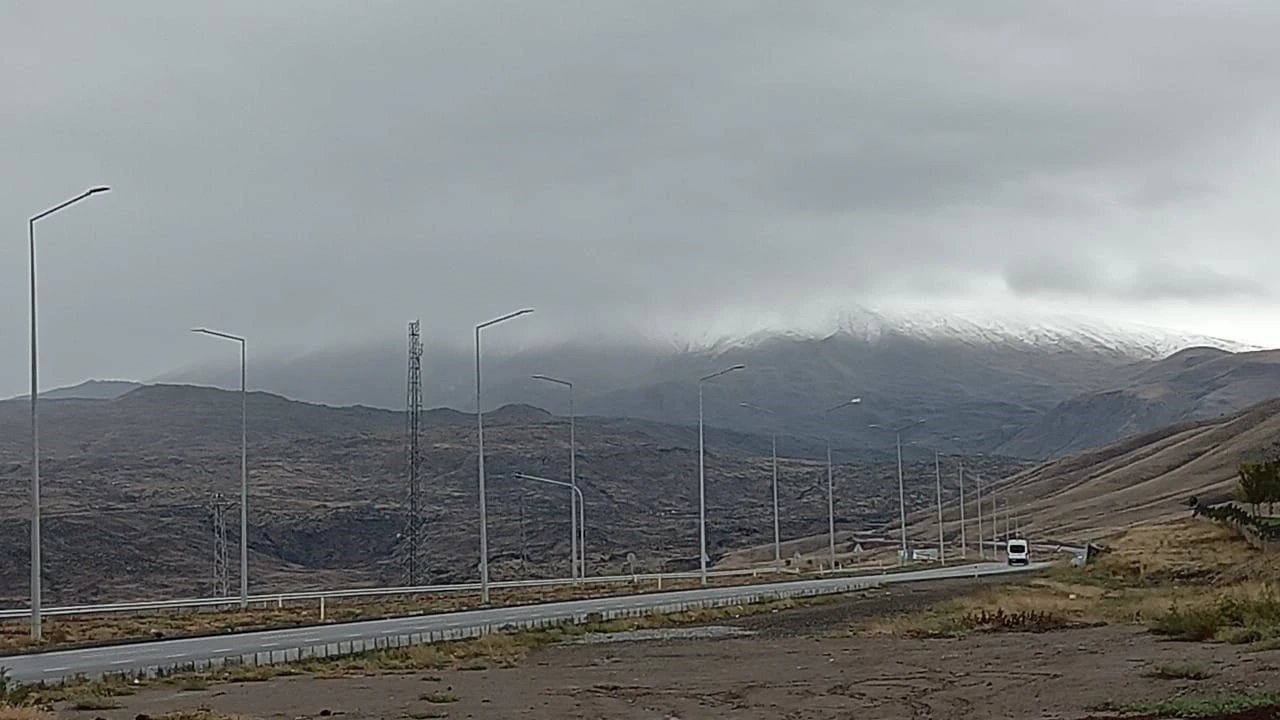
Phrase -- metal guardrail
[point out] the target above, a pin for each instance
(279, 599)
(282, 646)
(394, 640)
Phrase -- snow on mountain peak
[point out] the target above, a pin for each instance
(1040, 330)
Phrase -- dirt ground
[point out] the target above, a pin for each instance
(800, 664)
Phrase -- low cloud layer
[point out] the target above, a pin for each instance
(1070, 276)
(317, 173)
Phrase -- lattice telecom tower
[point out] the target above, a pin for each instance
(218, 507)
(415, 570)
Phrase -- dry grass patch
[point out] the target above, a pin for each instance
(1241, 614)
(1184, 551)
(1054, 603)
(1170, 576)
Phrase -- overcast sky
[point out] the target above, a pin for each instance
(312, 172)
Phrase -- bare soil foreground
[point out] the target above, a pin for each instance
(803, 663)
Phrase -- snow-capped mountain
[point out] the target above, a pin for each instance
(979, 379)
(1046, 331)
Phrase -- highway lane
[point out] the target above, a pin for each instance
(56, 665)
(140, 606)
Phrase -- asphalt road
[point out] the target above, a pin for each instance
(55, 665)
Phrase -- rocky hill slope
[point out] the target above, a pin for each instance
(127, 483)
(1142, 478)
(1194, 384)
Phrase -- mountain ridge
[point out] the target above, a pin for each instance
(1194, 384)
(1147, 477)
(983, 392)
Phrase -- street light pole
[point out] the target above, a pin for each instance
(576, 505)
(902, 494)
(777, 533)
(831, 496)
(579, 560)
(244, 467)
(484, 516)
(36, 574)
(995, 526)
(702, 473)
(977, 484)
(831, 511)
(902, 501)
(937, 471)
(964, 548)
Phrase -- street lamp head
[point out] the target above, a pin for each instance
(504, 318)
(718, 373)
(550, 379)
(856, 401)
(96, 190)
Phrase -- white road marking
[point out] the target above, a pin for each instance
(224, 650)
(178, 655)
(121, 662)
(57, 669)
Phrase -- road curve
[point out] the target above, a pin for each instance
(139, 657)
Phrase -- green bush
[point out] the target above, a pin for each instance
(1197, 624)
(1242, 636)
(1232, 619)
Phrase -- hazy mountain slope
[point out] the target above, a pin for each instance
(1193, 384)
(88, 390)
(979, 382)
(1142, 478)
(126, 484)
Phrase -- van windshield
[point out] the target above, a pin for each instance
(1017, 547)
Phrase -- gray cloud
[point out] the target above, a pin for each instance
(1064, 275)
(1069, 276)
(316, 172)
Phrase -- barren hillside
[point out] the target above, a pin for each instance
(127, 483)
(1194, 384)
(1144, 478)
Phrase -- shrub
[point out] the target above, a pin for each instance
(1195, 624)
(1237, 618)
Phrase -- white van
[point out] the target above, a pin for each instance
(1019, 552)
